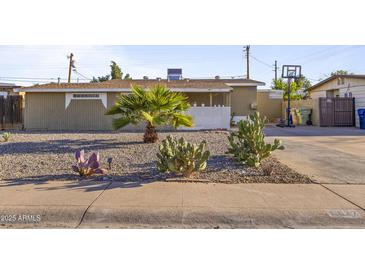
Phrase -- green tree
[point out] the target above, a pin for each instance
(127, 77)
(100, 79)
(340, 72)
(295, 86)
(156, 106)
(116, 71)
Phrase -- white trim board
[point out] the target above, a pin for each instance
(103, 90)
(244, 84)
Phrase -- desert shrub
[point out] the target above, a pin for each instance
(182, 157)
(267, 170)
(6, 136)
(248, 144)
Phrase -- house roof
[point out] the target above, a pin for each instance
(357, 76)
(8, 85)
(124, 85)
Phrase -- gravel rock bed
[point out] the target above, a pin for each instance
(41, 157)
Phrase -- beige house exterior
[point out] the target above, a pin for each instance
(269, 103)
(82, 106)
(341, 86)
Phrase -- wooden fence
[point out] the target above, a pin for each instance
(11, 112)
(338, 112)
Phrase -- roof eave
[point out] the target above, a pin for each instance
(245, 84)
(67, 90)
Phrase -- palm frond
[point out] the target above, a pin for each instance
(158, 105)
(180, 119)
(121, 122)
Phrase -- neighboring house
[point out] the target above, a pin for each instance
(341, 86)
(82, 106)
(269, 103)
(7, 89)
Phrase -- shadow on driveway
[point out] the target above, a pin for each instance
(313, 131)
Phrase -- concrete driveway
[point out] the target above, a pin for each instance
(328, 155)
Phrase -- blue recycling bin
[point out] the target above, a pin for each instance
(361, 112)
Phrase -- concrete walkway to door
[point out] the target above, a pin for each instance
(328, 155)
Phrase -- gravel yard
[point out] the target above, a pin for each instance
(40, 157)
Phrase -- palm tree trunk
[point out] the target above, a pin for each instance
(150, 135)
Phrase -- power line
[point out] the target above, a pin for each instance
(324, 54)
(314, 53)
(262, 62)
(30, 78)
(85, 77)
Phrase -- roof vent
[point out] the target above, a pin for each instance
(174, 74)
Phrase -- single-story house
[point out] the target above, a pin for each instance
(82, 106)
(352, 85)
(7, 89)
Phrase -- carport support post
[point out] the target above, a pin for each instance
(288, 109)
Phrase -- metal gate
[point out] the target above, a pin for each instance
(11, 112)
(337, 112)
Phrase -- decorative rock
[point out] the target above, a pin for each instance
(40, 157)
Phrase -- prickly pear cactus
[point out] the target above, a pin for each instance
(182, 157)
(248, 144)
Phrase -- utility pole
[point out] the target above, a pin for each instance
(70, 66)
(276, 70)
(247, 51)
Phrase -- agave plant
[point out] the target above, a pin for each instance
(6, 136)
(156, 106)
(88, 166)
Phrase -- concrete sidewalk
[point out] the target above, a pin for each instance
(183, 205)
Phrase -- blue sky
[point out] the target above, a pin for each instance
(45, 63)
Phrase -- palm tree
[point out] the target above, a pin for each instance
(157, 106)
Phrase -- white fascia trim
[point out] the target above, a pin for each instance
(201, 90)
(121, 90)
(72, 90)
(245, 84)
